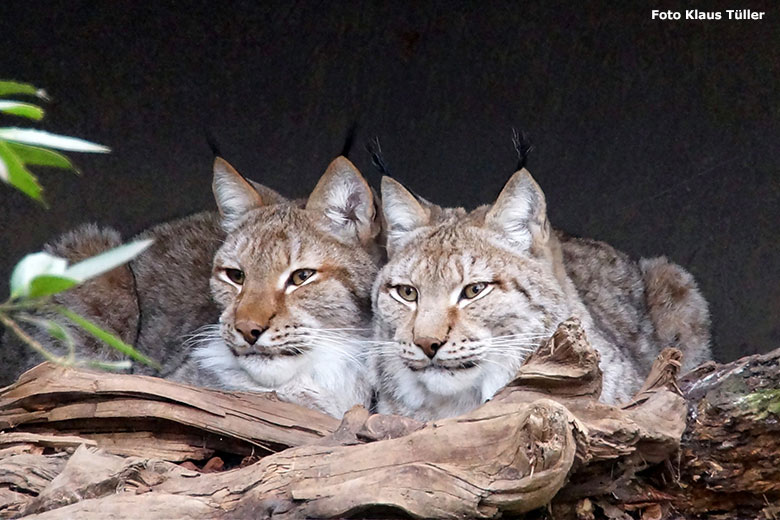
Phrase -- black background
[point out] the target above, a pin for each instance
(658, 137)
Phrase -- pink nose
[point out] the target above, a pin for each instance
(250, 330)
(429, 345)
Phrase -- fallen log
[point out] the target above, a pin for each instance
(545, 438)
(151, 417)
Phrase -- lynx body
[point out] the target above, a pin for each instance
(273, 294)
(466, 296)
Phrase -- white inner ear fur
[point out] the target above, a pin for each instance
(519, 211)
(234, 195)
(403, 213)
(344, 198)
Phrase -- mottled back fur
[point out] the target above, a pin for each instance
(466, 296)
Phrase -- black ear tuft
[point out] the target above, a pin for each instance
(349, 140)
(523, 148)
(375, 149)
(212, 142)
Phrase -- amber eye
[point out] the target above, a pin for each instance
(472, 290)
(301, 275)
(235, 275)
(407, 292)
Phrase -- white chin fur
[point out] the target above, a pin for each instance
(273, 372)
(317, 378)
(248, 372)
(449, 382)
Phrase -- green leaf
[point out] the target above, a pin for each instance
(10, 88)
(18, 108)
(32, 266)
(110, 365)
(35, 156)
(54, 329)
(107, 337)
(13, 172)
(48, 284)
(59, 142)
(106, 261)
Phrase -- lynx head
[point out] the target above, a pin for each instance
(463, 298)
(293, 279)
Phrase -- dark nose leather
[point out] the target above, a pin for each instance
(429, 345)
(250, 330)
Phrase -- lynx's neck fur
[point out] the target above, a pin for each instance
(466, 296)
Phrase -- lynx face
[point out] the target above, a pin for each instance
(462, 300)
(294, 285)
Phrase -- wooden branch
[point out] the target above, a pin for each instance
(543, 437)
(151, 417)
(730, 456)
(509, 456)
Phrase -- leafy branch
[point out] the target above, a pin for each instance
(39, 276)
(23, 147)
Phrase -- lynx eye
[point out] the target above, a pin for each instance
(300, 276)
(235, 275)
(406, 292)
(473, 290)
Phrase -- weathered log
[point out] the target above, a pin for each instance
(509, 456)
(728, 465)
(543, 436)
(151, 417)
(730, 456)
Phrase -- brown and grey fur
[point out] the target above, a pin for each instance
(151, 303)
(178, 286)
(537, 278)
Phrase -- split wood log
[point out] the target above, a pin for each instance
(543, 436)
(509, 456)
(151, 417)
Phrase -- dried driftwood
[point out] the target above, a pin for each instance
(543, 437)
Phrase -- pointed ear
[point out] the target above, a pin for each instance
(520, 212)
(234, 195)
(344, 199)
(403, 213)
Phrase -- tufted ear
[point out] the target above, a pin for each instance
(234, 194)
(520, 212)
(342, 196)
(402, 211)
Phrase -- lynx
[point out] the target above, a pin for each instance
(466, 296)
(274, 294)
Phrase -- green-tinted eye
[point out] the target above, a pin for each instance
(407, 292)
(235, 275)
(301, 275)
(472, 290)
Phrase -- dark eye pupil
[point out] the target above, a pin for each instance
(235, 275)
(301, 275)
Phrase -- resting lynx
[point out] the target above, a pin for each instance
(294, 285)
(466, 296)
(291, 281)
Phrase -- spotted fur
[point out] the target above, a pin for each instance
(445, 353)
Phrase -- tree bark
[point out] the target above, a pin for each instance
(544, 439)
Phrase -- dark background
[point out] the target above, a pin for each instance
(657, 137)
